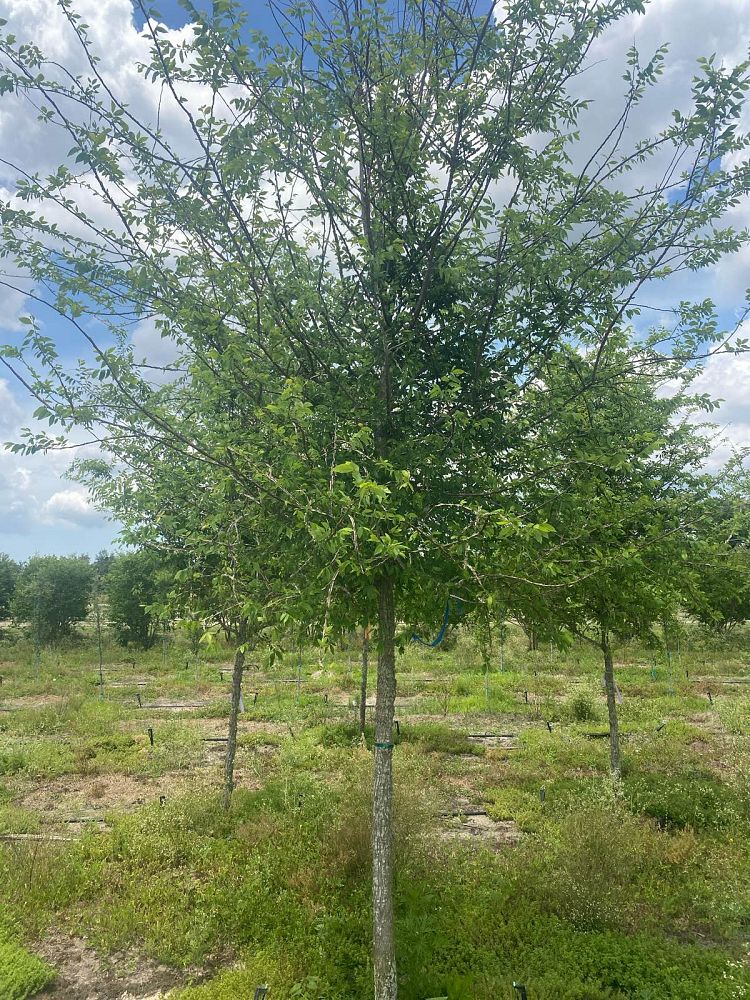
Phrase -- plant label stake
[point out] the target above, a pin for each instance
(549, 726)
(521, 991)
(162, 800)
(526, 697)
(255, 698)
(261, 992)
(151, 735)
(710, 697)
(140, 700)
(325, 698)
(542, 794)
(397, 724)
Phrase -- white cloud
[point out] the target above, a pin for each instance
(152, 349)
(70, 505)
(38, 509)
(726, 377)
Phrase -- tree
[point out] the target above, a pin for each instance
(134, 582)
(8, 576)
(52, 594)
(628, 500)
(719, 595)
(361, 314)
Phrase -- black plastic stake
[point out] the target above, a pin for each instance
(140, 700)
(162, 800)
(521, 991)
(710, 697)
(255, 698)
(549, 726)
(151, 735)
(397, 724)
(526, 696)
(542, 794)
(325, 698)
(261, 992)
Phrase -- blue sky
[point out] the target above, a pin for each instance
(42, 511)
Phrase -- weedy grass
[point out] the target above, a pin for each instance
(639, 890)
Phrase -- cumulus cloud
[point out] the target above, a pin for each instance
(726, 377)
(38, 509)
(72, 506)
(153, 350)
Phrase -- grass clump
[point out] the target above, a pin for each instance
(581, 709)
(21, 973)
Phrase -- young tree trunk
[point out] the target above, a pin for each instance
(533, 640)
(237, 672)
(614, 728)
(384, 952)
(363, 685)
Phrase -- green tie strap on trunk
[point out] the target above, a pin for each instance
(384, 746)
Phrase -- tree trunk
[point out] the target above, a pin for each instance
(533, 640)
(614, 728)
(384, 952)
(237, 672)
(363, 685)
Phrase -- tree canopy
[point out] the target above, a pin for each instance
(374, 241)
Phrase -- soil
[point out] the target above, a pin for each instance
(83, 974)
(91, 796)
(33, 701)
(472, 824)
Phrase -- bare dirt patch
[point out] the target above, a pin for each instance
(83, 974)
(478, 828)
(34, 701)
(89, 797)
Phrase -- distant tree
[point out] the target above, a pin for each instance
(8, 576)
(719, 597)
(134, 583)
(52, 593)
(627, 500)
(103, 563)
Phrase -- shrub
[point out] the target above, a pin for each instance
(582, 709)
(598, 871)
(698, 800)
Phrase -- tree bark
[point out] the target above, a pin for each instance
(614, 728)
(363, 684)
(237, 673)
(384, 951)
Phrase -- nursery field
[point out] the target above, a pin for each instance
(121, 875)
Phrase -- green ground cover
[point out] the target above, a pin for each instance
(517, 859)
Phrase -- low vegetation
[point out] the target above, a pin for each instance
(517, 858)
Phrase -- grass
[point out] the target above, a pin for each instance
(639, 891)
